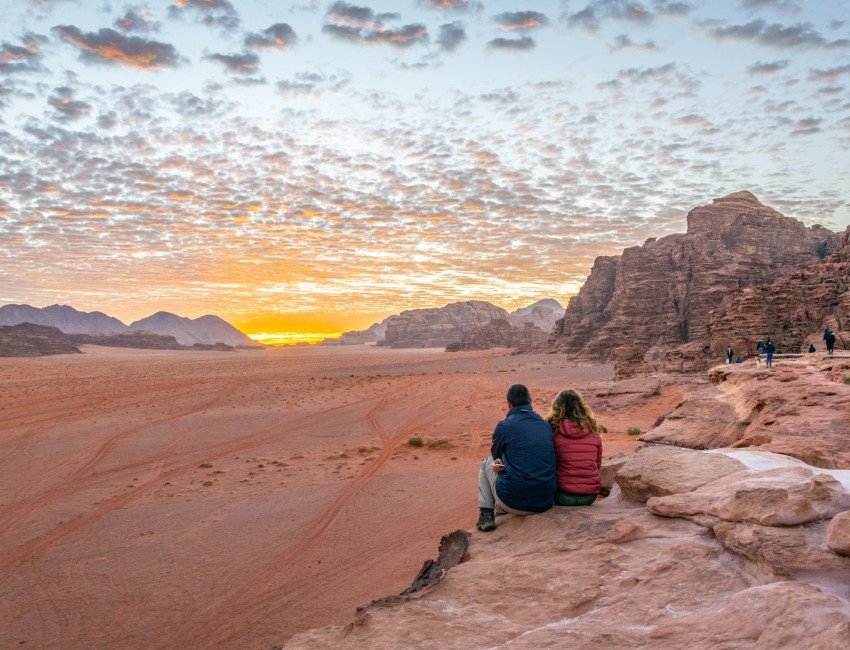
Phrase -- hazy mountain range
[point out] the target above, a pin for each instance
(206, 329)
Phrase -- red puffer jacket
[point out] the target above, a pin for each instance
(578, 457)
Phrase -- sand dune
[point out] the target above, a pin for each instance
(183, 499)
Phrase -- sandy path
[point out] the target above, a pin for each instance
(182, 499)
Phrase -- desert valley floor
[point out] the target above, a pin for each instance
(190, 499)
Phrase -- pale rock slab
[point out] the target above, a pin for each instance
(661, 470)
(784, 496)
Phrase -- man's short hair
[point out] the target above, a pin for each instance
(518, 395)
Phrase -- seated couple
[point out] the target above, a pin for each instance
(535, 462)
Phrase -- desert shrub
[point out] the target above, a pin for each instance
(633, 431)
(846, 378)
(602, 428)
(438, 442)
(416, 441)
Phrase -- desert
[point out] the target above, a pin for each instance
(155, 498)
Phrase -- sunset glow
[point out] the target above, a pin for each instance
(304, 167)
(291, 338)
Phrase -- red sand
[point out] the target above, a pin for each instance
(211, 499)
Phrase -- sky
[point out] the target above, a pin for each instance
(302, 168)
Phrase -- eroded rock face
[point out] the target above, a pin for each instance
(658, 471)
(660, 294)
(793, 310)
(500, 333)
(436, 328)
(29, 340)
(798, 408)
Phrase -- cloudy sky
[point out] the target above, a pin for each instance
(315, 166)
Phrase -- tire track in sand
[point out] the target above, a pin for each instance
(225, 620)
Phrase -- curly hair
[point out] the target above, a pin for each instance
(570, 405)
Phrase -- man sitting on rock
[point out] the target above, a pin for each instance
(519, 476)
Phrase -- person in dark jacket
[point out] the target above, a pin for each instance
(729, 354)
(578, 450)
(830, 342)
(519, 476)
(769, 349)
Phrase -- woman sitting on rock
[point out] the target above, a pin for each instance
(578, 450)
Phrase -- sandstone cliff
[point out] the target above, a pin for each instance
(30, 340)
(659, 295)
(436, 328)
(793, 310)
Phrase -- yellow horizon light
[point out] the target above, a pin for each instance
(282, 339)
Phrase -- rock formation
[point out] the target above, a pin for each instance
(730, 547)
(792, 311)
(797, 408)
(436, 328)
(659, 295)
(30, 340)
(500, 333)
(715, 549)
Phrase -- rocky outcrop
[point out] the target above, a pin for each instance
(134, 339)
(659, 295)
(797, 408)
(500, 333)
(30, 340)
(793, 310)
(437, 328)
(716, 562)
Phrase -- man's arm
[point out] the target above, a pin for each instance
(498, 446)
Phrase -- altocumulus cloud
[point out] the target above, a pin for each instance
(521, 44)
(213, 13)
(110, 46)
(244, 63)
(451, 35)
(279, 36)
(362, 24)
(775, 35)
(511, 20)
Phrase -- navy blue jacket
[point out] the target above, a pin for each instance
(524, 442)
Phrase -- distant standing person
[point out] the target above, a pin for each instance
(729, 354)
(830, 342)
(769, 349)
(519, 476)
(578, 450)
(825, 337)
(759, 349)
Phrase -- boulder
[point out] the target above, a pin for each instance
(838, 533)
(661, 470)
(629, 362)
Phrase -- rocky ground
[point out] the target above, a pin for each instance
(735, 547)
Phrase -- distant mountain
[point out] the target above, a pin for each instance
(372, 334)
(543, 314)
(206, 329)
(67, 319)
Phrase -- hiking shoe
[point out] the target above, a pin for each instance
(486, 521)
